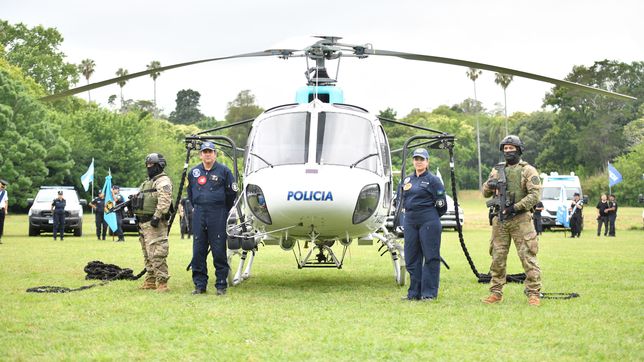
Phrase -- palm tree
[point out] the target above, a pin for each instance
(121, 73)
(86, 68)
(473, 74)
(155, 64)
(504, 81)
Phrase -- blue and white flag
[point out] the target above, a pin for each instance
(110, 218)
(88, 176)
(614, 177)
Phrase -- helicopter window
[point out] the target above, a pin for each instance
(348, 140)
(280, 140)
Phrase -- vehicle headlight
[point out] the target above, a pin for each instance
(367, 203)
(257, 203)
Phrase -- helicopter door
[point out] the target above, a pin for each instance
(347, 140)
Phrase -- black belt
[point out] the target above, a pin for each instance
(210, 204)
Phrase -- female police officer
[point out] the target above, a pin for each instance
(423, 196)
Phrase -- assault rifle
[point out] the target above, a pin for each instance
(121, 206)
(500, 201)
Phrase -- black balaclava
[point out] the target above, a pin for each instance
(512, 157)
(154, 170)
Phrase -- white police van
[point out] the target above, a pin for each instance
(557, 190)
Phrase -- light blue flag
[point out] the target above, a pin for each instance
(88, 176)
(614, 177)
(110, 218)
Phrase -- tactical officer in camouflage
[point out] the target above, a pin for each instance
(151, 207)
(523, 193)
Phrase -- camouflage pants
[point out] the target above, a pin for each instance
(154, 243)
(521, 230)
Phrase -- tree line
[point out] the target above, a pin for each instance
(54, 143)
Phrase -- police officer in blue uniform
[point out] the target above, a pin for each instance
(98, 204)
(423, 196)
(211, 191)
(58, 209)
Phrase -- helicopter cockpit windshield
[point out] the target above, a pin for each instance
(280, 140)
(342, 139)
(347, 140)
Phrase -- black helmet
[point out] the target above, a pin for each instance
(512, 140)
(155, 158)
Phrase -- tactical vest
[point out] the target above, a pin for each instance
(513, 175)
(150, 196)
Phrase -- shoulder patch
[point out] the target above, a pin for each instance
(167, 188)
(196, 173)
(535, 180)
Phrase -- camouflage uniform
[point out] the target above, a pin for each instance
(154, 240)
(524, 186)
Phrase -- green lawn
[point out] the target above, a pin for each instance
(283, 313)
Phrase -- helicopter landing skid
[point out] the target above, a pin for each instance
(239, 276)
(326, 258)
(397, 253)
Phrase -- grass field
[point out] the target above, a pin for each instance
(283, 313)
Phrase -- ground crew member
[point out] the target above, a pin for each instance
(152, 208)
(98, 204)
(424, 202)
(58, 209)
(576, 216)
(524, 191)
(211, 191)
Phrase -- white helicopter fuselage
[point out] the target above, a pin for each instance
(317, 171)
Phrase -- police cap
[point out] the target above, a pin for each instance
(60, 192)
(207, 146)
(421, 152)
(4, 182)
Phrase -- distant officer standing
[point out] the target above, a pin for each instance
(523, 190)
(98, 204)
(118, 199)
(576, 207)
(612, 214)
(151, 207)
(58, 209)
(4, 205)
(212, 191)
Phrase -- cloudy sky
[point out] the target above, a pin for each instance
(547, 37)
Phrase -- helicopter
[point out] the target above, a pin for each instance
(319, 171)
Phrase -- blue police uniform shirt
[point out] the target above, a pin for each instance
(59, 206)
(420, 193)
(100, 205)
(211, 187)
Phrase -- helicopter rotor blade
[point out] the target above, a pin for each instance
(69, 92)
(494, 68)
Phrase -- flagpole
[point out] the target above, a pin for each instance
(609, 187)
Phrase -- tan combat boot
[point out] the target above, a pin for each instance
(493, 299)
(163, 287)
(148, 284)
(534, 301)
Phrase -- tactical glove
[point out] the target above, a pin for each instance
(155, 221)
(509, 210)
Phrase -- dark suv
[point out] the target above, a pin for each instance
(40, 214)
